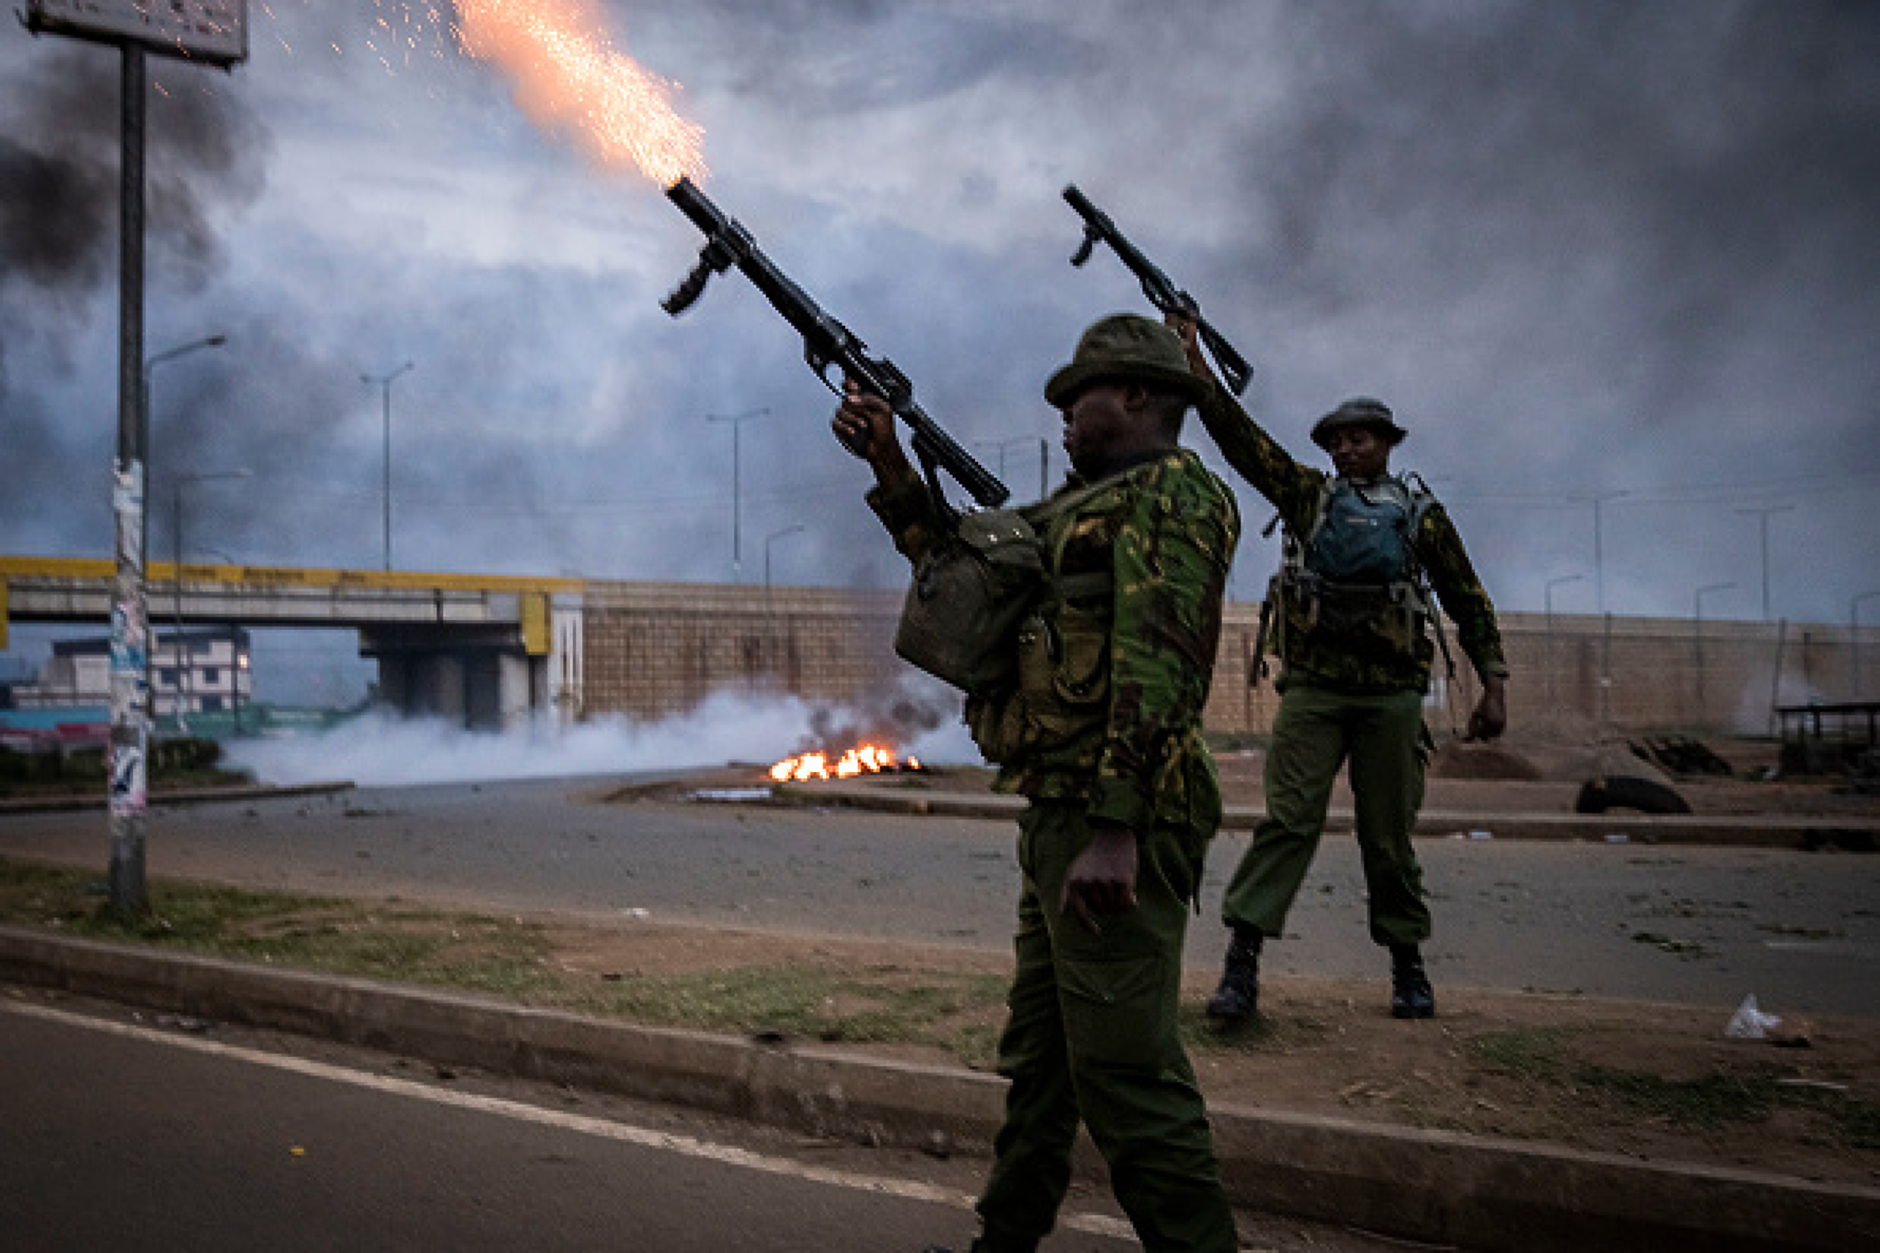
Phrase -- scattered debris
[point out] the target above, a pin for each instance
(733, 795)
(1751, 1023)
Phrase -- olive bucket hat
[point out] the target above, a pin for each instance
(1126, 346)
(1372, 415)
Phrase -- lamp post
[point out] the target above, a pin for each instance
(770, 539)
(1547, 598)
(1697, 636)
(1762, 514)
(143, 441)
(384, 382)
(1853, 616)
(737, 421)
(182, 350)
(1044, 457)
(180, 651)
(1598, 500)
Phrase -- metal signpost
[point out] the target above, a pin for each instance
(212, 32)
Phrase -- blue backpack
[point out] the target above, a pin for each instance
(1354, 574)
(1364, 534)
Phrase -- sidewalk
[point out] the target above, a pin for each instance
(1446, 1188)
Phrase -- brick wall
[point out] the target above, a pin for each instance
(653, 649)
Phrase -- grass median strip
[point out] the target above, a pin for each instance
(518, 959)
(1533, 1082)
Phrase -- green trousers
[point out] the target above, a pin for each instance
(1092, 1036)
(1315, 732)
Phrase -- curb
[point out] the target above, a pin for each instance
(1727, 830)
(181, 796)
(1469, 1191)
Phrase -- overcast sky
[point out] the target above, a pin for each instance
(1612, 250)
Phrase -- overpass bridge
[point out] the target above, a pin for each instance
(483, 650)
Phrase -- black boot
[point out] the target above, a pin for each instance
(1238, 997)
(1410, 993)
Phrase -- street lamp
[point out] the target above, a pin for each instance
(1547, 598)
(143, 438)
(1044, 457)
(1697, 635)
(385, 383)
(182, 350)
(180, 652)
(770, 539)
(1853, 616)
(1599, 500)
(737, 421)
(1762, 514)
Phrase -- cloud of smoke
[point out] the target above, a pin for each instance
(377, 750)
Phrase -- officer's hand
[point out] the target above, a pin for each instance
(861, 419)
(864, 424)
(1490, 717)
(1184, 323)
(1102, 878)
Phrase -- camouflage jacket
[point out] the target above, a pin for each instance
(1158, 539)
(1297, 491)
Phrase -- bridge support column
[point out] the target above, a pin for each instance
(478, 684)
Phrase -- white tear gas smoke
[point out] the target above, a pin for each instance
(376, 750)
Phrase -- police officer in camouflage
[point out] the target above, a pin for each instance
(1352, 682)
(1102, 734)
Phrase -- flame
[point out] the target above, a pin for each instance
(568, 74)
(862, 759)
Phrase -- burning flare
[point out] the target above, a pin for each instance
(862, 759)
(567, 74)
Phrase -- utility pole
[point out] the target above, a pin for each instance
(130, 605)
(171, 30)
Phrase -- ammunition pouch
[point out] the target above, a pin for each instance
(1366, 617)
(962, 611)
(1062, 688)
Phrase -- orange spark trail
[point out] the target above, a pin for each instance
(568, 75)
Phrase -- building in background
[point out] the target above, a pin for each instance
(191, 672)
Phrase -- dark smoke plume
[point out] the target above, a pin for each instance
(59, 173)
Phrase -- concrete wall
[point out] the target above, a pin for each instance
(652, 649)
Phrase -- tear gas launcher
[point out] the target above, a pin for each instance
(1157, 286)
(828, 345)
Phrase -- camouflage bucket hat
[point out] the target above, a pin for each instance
(1372, 415)
(1126, 346)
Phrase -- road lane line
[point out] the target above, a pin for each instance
(688, 1146)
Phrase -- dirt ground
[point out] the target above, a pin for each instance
(1655, 1082)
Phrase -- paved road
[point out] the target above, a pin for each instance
(133, 1134)
(130, 1138)
(1693, 925)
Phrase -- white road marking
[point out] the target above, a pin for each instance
(687, 1146)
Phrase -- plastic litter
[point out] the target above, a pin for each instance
(1749, 1022)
